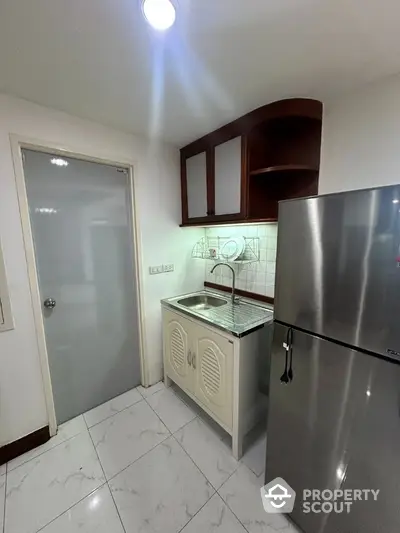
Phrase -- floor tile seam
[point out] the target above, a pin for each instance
(159, 418)
(181, 445)
(224, 502)
(188, 522)
(202, 473)
(70, 507)
(195, 464)
(184, 425)
(227, 504)
(233, 512)
(155, 412)
(137, 459)
(109, 488)
(114, 414)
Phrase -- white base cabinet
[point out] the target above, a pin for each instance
(217, 370)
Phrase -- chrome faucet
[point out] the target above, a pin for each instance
(233, 278)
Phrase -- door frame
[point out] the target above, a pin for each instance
(18, 142)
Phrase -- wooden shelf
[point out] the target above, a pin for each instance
(255, 220)
(283, 168)
(232, 222)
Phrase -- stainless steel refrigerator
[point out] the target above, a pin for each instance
(334, 412)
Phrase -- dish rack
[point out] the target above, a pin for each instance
(210, 248)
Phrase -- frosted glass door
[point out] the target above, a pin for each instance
(81, 224)
(228, 176)
(196, 179)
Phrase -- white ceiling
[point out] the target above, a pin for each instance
(98, 59)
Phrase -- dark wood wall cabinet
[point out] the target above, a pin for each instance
(241, 171)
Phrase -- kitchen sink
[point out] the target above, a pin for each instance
(202, 302)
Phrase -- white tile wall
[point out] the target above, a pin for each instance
(258, 277)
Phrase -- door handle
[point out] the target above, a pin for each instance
(287, 375)
(49, 303)
(194, 361)
(290, 343)
(189, 358)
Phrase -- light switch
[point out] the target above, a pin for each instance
(168, 268)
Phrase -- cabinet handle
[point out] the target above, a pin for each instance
(194, 360)
(189, 358)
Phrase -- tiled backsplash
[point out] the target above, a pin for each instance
(258, 277)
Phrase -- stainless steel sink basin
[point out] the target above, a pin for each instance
(202, 302)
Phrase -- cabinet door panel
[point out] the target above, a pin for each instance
(176, 350)
(196, 180)
(214, 373)
(228, 176)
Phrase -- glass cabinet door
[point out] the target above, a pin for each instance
(196, 180)
(228, 176)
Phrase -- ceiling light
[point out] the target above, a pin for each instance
(395, 201)
(59, 162)
(159, 13)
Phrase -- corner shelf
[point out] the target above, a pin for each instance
(283, 168)
(283, 163)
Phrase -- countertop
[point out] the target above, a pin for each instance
(239, 319)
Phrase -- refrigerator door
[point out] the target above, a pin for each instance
(310, 420)
(374, 456)
(338, 267)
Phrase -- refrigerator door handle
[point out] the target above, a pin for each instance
(290, 344)
(287, 375)
(284, 376)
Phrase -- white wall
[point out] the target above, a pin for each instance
(361, 139)
(22, 405)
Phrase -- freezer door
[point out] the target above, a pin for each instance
(310, 419)
(338, 267)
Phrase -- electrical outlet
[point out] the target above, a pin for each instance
(156, 269)
(168, 268)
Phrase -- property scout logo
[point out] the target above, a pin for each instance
(278, 497)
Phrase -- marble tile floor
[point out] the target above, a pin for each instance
(148, 461)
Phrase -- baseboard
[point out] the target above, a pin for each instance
(23, 445)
